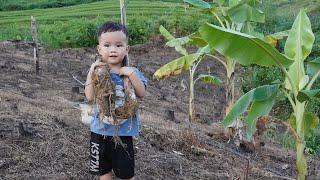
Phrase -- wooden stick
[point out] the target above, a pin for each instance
(35, 44)
(123, 7)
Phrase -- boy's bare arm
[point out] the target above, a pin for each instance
(137, 84)
(89, 89)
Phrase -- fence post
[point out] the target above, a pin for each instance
(123, 7)
(35, 44)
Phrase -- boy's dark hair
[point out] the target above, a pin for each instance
(112, 27)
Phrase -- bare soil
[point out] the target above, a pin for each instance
(42, 137)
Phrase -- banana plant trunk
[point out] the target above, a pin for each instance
(191, 97)
(229, 93)
(230, 97)
(301, 161)
(300, 145)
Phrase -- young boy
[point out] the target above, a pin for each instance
(106, 155)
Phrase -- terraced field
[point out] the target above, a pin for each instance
(58, 27)
(74, 26)
(108, 9)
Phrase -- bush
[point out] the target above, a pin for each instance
(255, 76)
(140, 29)
(74, 33)
(313, 143)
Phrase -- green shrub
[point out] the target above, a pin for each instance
(313, 143)
(140, 29)
(74, 33)
(16, 31)
(257, 76)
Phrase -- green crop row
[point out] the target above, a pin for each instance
(106, 8)
(75, 26)
(81, 32)
(12, 5)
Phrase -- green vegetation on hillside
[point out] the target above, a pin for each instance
(75, 26)
(13, 5)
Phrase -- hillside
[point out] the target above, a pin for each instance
(74, 26)
(41, 136)
(108, 9)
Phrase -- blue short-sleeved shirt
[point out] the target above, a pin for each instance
(127, 127)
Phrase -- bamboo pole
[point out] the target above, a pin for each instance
(123, 7)
(35, 44)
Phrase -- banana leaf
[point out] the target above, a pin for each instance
(243, 48)
(261, 98)
(176, 66)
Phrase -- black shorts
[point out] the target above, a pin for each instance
(105, 156)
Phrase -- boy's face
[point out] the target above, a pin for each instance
(113, 47)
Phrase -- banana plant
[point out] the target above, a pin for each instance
(236, 15)
(246, 50)
(185, 62)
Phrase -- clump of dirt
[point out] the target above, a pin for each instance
(42, 137)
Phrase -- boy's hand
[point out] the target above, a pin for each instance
(89, 91)
(126, 71)
(137, 84)
(96, 64)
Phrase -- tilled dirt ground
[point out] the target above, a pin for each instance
(41, 136)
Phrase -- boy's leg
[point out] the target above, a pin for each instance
(123, 159)
(107, 176)
(100, 156)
